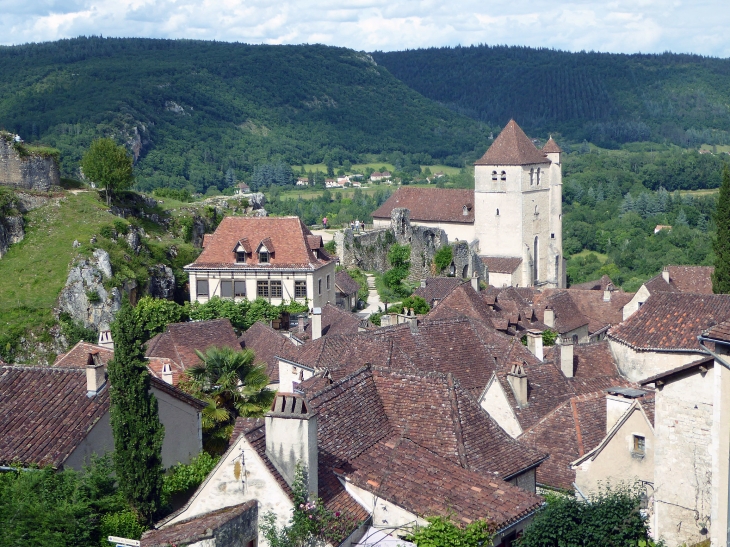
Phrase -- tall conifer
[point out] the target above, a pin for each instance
(721, 277)
(138, 433)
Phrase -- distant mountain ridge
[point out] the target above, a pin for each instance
(605, 98)
(193, 111)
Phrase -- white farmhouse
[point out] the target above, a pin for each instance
(277, 259)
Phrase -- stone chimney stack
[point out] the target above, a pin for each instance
(549, 317)
(607, 294)
(291, 438)
(518, 382)
(665, 274)
(95, 375)
(423, 283)
(475, 282)
(300, 324)
(534, 343)
(167, 373)
(566, 359)
(316, 323)
(105, 339)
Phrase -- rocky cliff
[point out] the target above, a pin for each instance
(11, 231)
(32, 171)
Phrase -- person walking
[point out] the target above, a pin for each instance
(352, 225)
(357, 225)
(324, 222)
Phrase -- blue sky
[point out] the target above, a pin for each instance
(623, 26)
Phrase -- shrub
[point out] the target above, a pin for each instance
(443, 257)
(183, 477)
(443, 532)
(93, 296)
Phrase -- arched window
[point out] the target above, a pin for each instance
(535, 262)
(503, 175)
(532, 176)
(494, 175)
(536, 213)
(465, 271)
(538, 176)
(557, 269)
(497, 212)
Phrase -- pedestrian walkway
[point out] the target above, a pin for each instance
(374, 302)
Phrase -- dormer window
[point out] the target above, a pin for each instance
(240, 257)
(494, 175)
(503, 175)
(263, 256)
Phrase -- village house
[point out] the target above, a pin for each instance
(302, 181)
(403, 459)
(514, 212)
(241, 189)
(267, 344)
(380, 176)
(435, 289)
(346, 291)
(277, 259)
(76, 388)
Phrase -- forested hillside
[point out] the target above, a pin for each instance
(601, 97)
(193, 112)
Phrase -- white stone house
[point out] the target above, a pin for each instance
(277, 259)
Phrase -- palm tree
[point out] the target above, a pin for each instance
(233, 386)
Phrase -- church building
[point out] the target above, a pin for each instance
(514, 212)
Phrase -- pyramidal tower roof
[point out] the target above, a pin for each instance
(512, 147)
(551, 147)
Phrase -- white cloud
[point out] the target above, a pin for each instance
(617, 25)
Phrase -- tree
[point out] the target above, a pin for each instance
(721, 275)
(232, 385)
(138, 433)
(109, 165)
(154, 314)
(443, 532)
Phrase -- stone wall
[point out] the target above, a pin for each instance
(11, 231)
(369, 251)
(32, 172)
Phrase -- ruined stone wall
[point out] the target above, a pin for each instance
(32, 172)
(369, 251)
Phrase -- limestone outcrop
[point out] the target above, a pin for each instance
(85, 298)
(31, 171)
(11, 231)
(162, 282)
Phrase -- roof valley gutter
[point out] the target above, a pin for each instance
(715, 355)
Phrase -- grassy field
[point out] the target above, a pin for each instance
(706, 192)
(719, 147)
(585, 252)
(310, 193)
(360, 167)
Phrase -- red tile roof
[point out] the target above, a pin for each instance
(512, 147)
(431, 204)
(267, 343)
(180, 340)
(672, 321)
(346, 284)
(437, 288)
(719, 332)
(78, 356)
(551, 147)
(567, 314)
(501, 264)
(595, 285)
(45, 414)
(589, 305)
(335, 321)
(694, 279)
(286, 238)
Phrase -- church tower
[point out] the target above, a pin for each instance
(518, 211)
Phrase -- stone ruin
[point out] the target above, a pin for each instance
(33, 172)
(369, 251)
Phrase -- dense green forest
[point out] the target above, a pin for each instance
(200, 114)
(604, 98)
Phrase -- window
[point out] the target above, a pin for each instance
(538, 176)
(319, 286)
(275, 289)
(226, 289)
(639, 445)
(262, 289)
(552, 236)
(201, 287)
(240, 256)
(300, 289)
(263, 257)
(239, 288)
(497, 212)
(328, 281)
(532, 176)
(535, 259)
(494, 175)
(503, 176)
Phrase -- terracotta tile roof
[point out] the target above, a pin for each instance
(197, 529)
(45, 414)
(416, 479)
(179, 394)
(672, 321)
(156, 366)
(512, 147)
(657, 284)
(706, 362)
(180, 340)
(575, 427)
(595, 285)
(335, 321)
(600, 314)
(430, 204)
(437, 288)
(346, 284)
(501, 264)
(567, 314)
(694, 279)
(648, 403)
(266, 344)
(719, 332)
(463, 301)
(551, 147)
(78, 356)
(286, 238)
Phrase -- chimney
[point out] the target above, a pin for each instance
(616, 405)
(435, 302)
(549, 317)
(534, 343)
(665, 274)
(105, 339)
(291, 438)
(167, 373)
(475, 282)
(300, 324)
(316, 323)
(566, 359)
(607, 295)
(423, 283)
(518, 382)
(95, 374)
(385, 320)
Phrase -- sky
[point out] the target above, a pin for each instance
(619, 26)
